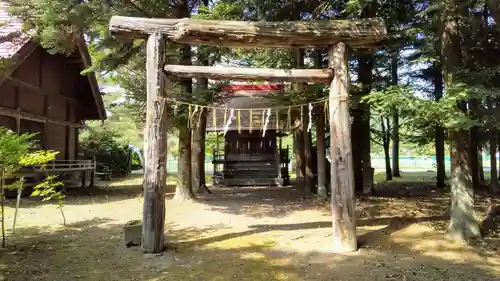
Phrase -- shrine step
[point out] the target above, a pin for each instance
(253, 164)
(249, 176)
(249, 181)
(255, 170)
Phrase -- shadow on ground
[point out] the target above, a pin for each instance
(278, 202)
(397, 237)
(94, 250)
(392, 225)
(411, 196)
(104, 193)
(259, 202)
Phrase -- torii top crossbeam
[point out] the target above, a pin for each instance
(264, 34)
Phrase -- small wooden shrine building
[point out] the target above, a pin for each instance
(46, 93)
(251, 152)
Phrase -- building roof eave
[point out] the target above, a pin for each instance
(87, 61)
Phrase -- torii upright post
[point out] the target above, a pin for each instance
(155, 168)
(342, 174)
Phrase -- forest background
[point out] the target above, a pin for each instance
(434, 82)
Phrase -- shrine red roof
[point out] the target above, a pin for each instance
(252, 87)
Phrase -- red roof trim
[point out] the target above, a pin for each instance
(252, 87)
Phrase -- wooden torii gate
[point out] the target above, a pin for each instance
(335, 35)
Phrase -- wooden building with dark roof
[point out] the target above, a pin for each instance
(45, 93)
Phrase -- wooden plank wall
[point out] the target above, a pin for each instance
(236, 143)
(45, 85)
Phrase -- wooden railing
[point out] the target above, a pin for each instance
(60, 166)
(86, 167)
(66, 165)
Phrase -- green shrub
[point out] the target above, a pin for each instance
(109, 154)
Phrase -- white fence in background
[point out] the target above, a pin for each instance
(406, 163)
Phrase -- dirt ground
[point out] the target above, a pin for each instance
(245, 234)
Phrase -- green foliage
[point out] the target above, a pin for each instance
(16, 153)
(57, 23)
(211, 144)
(397, 99)
(393, 100)
(124, 120)
(37, 158)
(102, 143)
(48, 190)
(12, 149)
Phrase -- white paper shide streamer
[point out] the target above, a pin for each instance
(175, 109)
(309, 123)
(229, 120)
(268, 116)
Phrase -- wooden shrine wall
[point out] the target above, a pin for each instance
(49, 96)
(250, 144)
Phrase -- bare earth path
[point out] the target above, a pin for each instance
(241, 234)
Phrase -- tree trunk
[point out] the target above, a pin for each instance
(298, 151)
(473, 163)
(198, 154)
(395, 146)
(387, 157)
(321, 154)
(342, 175)
(395, 118)
(357, 142)
(365, 77)
(439, 138)
(199, 135)
(493, 162)
(480, 165)
(474, 152)
(463, 222)
(195, 159)
(199, 171)
(388, 170)
(298, 62)
(498, 149)
(440, 163)
(386, 143)
(183, 190)
(308, 157)
(155, 146)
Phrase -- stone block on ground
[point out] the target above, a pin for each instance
(133, 233)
